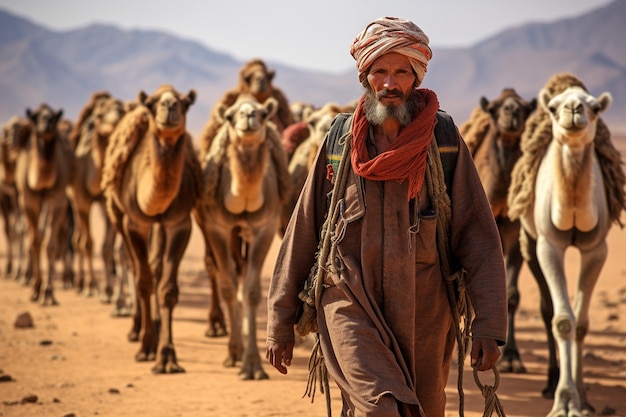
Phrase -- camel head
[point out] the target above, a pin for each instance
(574, 114)
(509, 113)
(107, 115)
(45, 121)
(256, 79)
(247, 120)
(169, 110)
(17, 131)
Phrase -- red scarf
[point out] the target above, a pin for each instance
(406, 157)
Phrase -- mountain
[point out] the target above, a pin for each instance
(65, 68)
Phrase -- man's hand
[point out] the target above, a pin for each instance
(279, 354)
(485, 353)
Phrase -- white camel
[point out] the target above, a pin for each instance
(569, 208)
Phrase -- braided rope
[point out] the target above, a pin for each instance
(492, 403)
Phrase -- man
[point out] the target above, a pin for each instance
(384, 319)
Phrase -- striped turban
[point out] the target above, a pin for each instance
(391, 34)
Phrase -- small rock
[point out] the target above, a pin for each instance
(114, 391)
(23, 321)
(69, 415)
(5, 378)
(29, 399)
(56, 400)
(45, 342)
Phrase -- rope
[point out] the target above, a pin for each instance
(492, 403)
(460, 305)
(313, 293)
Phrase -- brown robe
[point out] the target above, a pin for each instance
(385, 325)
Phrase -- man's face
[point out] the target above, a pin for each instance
(391, 84)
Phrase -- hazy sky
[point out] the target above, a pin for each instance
(315, 36)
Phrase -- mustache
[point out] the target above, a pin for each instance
(386, 93)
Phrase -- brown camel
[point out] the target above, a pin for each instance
(42, 171)
(255, 78)
(493, 134)
(8, 197)
(90, 137)
(246, 180)
(152, 181)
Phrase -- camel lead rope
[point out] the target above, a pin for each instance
(492, 403)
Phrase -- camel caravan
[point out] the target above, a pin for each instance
(552, 175)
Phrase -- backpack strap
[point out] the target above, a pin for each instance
(447, 138)
(334, 145)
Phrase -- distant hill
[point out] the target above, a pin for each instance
(65, 68)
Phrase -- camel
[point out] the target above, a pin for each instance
(316, 126)
(255, 78)
(8, 197)
(567, 190)
(493, 134)
(42, 171)
(90, 137)
(151, 181)
(246, 180)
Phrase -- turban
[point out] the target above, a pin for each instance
(391, 34)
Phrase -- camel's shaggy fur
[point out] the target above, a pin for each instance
(247, 182)
(152, 181)
(255, 78)
(493, 135)
(42, 172)
(90, 137)
(535, 141)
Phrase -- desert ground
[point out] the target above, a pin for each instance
(76, 360)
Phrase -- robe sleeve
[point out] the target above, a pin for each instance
(476, 243)
(297, 252)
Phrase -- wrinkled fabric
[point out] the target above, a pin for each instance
(391, 34)
(385, 325)
(406, 157)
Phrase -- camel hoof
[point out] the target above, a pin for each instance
(168, 368)
(256, 375)
(215, 332)
(229, 362)
(511, 366)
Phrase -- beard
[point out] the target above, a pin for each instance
(376, 113)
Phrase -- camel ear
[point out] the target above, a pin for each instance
(270, 75)
(544, 99)
(224, 114)
(141, 97)
(58, 115)
(271, 106)
(30, 114)
(484, 104)
(603, 103)
(189, 99)
(532, 105)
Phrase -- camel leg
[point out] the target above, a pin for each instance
(228, 282)
(55, 217)
(258, 248)
(7, 214)
(137, 245)
(108, 245)
(33, 243)
(167, 294)
(510, 361)
(551, 259)
(592, 263)
(122, 279)
(547, 312)
(216, 320)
